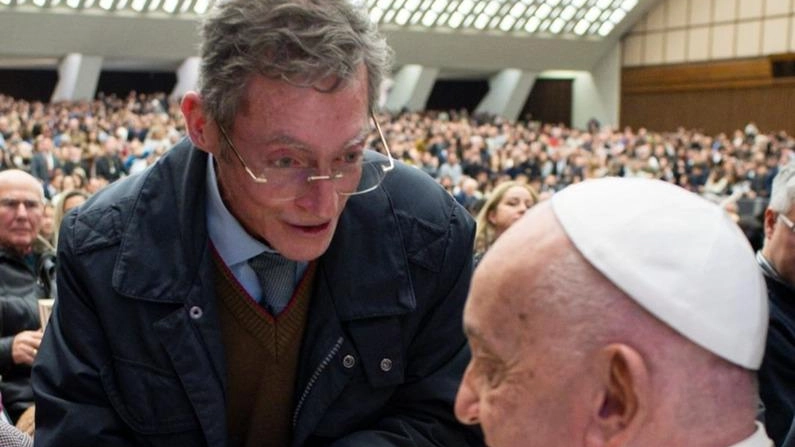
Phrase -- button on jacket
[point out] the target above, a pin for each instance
(133, 352)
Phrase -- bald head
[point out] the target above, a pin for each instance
(676, 255)
(561, 353)
(534, 272)
(21, 210)
(17, 177)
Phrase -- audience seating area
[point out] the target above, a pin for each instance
(74, 145)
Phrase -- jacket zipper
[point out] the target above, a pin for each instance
(315, 376)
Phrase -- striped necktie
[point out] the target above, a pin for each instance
(276, 276)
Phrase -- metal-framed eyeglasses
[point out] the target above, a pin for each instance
(290, 176)
(787, 222)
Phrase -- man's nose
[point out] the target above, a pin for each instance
(22, 210)
(467, 402)
(320, 198)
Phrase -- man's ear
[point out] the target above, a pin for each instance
(770, 222)
(197, 122)
(620, 404)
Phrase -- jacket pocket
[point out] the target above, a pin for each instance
(377, 371)
(149, 400)
(379, 342)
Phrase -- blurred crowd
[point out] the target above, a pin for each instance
(86, 145)
(471, 155)
(495, 168)
(454, 147)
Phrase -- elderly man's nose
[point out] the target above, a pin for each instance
(21, 209)
(466, 403)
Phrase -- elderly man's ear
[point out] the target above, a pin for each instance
(770, 222)
(620, 399)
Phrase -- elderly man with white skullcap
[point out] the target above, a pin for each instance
(777, 260)
(622, 312)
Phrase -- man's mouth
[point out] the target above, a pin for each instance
(312, 229)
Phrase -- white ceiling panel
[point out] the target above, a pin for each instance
(475, 35)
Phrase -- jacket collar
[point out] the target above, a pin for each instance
(165, 239)
(367, 253)
(8, 253)
(40, 247)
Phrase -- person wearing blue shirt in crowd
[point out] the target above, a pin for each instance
(270, 281)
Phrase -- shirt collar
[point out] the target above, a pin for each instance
(770, 271)
(231, 240)
(758, 439)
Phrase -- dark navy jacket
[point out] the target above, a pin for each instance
(133, 353)
(777, 373)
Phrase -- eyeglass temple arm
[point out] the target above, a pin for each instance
(240, 158)
(386, 145)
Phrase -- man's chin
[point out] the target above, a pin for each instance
(305, 249)
(304, 254)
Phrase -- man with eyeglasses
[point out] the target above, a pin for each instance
(26, 275)
(777, 260)
(270, 281)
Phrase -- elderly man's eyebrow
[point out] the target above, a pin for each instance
(481, 342)
(475, 334)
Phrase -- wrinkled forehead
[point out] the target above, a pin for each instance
(320, 83)
(497, 301)
(522, 269)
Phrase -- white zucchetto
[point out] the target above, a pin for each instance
(677, 255)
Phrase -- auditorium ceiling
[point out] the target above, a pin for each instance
(460, 37)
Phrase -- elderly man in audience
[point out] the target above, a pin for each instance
(26, 274)
(109, 166)
(623, 312)
(777, 260)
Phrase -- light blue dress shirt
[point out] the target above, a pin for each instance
(232, 241)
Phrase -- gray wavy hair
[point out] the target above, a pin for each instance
(299, 41)
(782, 195)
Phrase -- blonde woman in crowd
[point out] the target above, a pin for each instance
(506, 204)
(66, 201)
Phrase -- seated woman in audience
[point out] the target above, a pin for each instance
(717, 183)
(66, 201)
(506, 204)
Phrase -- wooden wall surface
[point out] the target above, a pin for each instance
(712, 96)
(550, 101)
